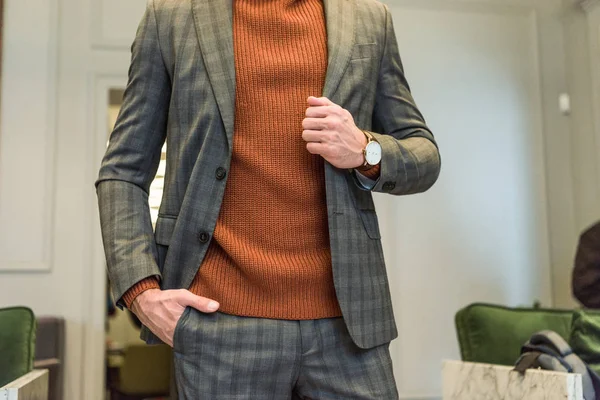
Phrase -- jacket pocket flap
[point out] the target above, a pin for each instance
(369, 219)
(364, 51)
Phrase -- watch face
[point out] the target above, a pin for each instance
(373, 153)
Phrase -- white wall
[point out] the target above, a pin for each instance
(53, 133)
(43, 234)
(54, 63)
(585, 165)
(579, 201)
(480, 74)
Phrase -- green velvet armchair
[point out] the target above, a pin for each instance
(494, 334)
(17, 343)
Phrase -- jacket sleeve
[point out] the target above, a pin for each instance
(130, 164)
(410, 159)
(586, 274)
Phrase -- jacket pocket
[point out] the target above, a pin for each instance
(364, 51)
(370, 222)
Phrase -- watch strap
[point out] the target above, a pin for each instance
(366, 166)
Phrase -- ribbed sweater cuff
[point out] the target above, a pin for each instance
(372, 173)
(139, 288)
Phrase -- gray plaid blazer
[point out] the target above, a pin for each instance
(182, 89)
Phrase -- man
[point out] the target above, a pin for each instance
(280, 117)
(586, 274)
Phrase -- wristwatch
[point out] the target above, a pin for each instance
(372, 153)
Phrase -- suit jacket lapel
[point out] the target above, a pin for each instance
(339, 16)
(214, 27)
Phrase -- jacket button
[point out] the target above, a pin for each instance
(203, 237)
(221, 173)
(388, 186)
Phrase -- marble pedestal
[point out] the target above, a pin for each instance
(32, 386)
(471, 381)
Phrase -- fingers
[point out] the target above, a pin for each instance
(187, 298)
(319, 101)
(312, 136)
(314, 147)
(316, 124)
(321, 112)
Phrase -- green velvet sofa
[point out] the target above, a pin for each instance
(494, 334)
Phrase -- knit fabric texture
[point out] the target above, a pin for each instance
(269, 256)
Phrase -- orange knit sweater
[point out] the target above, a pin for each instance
(269, 255)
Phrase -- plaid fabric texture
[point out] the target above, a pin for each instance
(182, 89)
(220, 356)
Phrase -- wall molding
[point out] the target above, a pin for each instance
(99, 39)
(99, 85)
(50, 127)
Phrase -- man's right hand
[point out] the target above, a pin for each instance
(160, 310)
